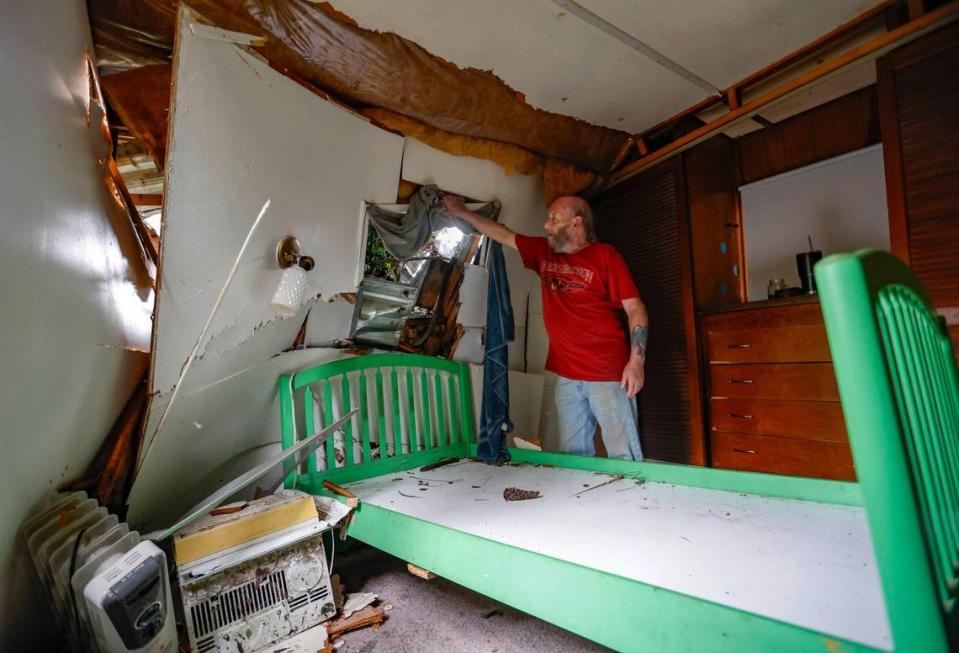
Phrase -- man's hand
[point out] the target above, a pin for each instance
(634, 375)
(453, 205)
(455, 208)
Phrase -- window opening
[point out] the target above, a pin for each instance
(411, 304)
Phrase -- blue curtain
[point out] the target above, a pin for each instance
(495, 424)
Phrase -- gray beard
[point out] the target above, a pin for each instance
(559, 241)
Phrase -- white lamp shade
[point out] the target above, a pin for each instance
(291, 293)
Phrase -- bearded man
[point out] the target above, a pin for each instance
(586, 285)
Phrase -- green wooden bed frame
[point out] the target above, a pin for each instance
(618, 612)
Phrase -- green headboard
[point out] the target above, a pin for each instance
(900, 395)
(411, 409)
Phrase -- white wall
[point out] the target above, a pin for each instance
(840, 202)
(70, 303)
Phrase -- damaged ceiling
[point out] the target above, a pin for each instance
(564, 83)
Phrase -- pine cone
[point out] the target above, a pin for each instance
(516, 494)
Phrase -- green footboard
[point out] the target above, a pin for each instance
(900, 395)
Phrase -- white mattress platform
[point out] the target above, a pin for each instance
(804, 563)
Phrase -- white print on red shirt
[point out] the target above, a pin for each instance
(565, 268)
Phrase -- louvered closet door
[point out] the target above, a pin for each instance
(919, 112)
(645, 219)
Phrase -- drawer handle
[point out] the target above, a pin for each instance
(740, 380)
(749, 451)
(739, 345)
(740, 416)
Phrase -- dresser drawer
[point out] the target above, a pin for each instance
(792, 381)
(816, 420)
(799, 343)
(775, 455)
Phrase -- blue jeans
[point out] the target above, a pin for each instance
(581, 404)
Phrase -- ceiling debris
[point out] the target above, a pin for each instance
(364, 68)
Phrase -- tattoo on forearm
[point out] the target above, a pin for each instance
(638, 336)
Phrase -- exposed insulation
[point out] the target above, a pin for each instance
(512, 158)
(560, 178)
(141, 98)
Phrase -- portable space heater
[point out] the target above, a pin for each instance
(255, 576)
(109, 592)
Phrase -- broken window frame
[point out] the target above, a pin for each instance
(383, 306)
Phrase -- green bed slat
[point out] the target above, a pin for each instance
(327, 420)
(347, 406)
(287, 420)
(897, 381)
(395, 390)
(466, 405)
(455, 434)
(426, 414)
(441, 437)
(380, 413)
(365, 420)
(309, 425)
(411, 433)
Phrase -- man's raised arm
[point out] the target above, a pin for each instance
(498, 232)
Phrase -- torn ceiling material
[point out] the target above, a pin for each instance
(369, 68)
(560, 178)
(141, 98)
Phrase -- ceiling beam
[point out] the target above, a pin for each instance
(147, 199)
(867, 51)
(654, 55)
(841, 32)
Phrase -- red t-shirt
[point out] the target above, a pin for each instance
(582, 301)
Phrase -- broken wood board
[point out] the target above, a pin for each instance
(419, 572)
(366, 617)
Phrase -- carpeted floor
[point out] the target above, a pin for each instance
(439, 616)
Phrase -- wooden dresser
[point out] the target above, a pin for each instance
(773, 405)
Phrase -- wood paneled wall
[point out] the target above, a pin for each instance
(842, 125)
(715, 225)
(919, 96)
(645, 219)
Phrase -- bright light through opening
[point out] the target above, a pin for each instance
(446, 241)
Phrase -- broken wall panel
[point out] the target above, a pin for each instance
(241, 134)
(215, 434)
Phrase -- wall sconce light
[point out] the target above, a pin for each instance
(291, 293)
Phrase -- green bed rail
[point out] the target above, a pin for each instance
(410, 409)
(900, 395)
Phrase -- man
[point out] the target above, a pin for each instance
(585, 284)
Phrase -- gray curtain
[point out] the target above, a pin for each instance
(404, 234)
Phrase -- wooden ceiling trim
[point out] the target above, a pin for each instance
(867, 51)
(731, 95)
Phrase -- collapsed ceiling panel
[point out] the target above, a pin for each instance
(559, 62)
(724, 41)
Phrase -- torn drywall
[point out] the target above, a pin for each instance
(241, 134)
